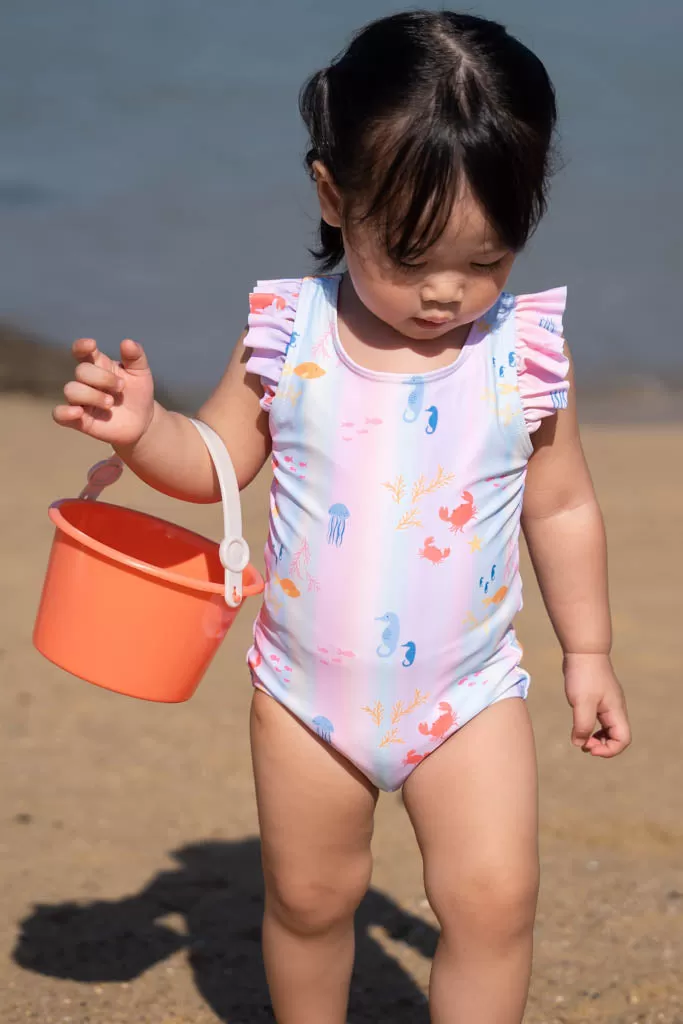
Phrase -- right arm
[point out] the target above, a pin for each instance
(114, 402)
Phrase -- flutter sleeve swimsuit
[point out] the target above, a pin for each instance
(392, 565)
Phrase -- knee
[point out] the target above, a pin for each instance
(495, 901)
(316, 903)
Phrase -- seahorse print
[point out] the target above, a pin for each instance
(390, 635)
(411, 650)
(415, 400)
(433, 420)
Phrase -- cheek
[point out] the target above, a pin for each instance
(382, 297)
(485, 291)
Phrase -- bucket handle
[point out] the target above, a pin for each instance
(233, 550)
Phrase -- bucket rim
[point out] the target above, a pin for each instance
(61, 523)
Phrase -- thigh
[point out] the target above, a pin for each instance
(473, 804)
(315, 809)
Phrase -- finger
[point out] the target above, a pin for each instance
(133, 356)
(98, 377)
(606, 746)
(83, 395)
(68, 415)
(584, 722)
(615, 734)
(85, 348)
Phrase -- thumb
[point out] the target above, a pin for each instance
(133, 357)
(585, 714)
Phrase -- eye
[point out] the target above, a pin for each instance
(411, 268)
(488, 268)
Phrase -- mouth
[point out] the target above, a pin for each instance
(432, 323)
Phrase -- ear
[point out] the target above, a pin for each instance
(329, 195)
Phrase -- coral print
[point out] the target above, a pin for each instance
(339, 516)
(301, 561)
(399, 490)
(415, 400)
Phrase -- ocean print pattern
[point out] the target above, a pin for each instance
(392, 564)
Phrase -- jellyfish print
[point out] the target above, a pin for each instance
(415, 400)
(324, 728)
(339, 514)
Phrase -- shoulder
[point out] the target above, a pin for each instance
(542, 361)
(272, 312)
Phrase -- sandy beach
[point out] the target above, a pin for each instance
(130, 878)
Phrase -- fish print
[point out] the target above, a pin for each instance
(289, 587)
(497, 598)
(309, 371)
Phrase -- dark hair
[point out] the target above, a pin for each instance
(417, 103)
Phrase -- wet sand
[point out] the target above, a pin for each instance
(130, 879)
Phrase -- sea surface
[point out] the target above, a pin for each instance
(151, 171)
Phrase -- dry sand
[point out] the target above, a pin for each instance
(130, 879)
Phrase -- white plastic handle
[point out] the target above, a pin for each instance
(233, 549)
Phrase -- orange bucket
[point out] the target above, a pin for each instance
(135, 604)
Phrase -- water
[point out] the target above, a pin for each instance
(150, 170)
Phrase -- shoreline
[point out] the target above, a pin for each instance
(37, 368)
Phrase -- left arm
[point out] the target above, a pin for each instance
(565, 534)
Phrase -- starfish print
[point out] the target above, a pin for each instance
(475, 544)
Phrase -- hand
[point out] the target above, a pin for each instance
(594, 692)
(112, 402)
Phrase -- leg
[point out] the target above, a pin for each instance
(316, 815)
(473, 804)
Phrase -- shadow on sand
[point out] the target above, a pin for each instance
(218, 890)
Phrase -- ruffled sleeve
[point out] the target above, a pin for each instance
(272, 310)
(542, 365)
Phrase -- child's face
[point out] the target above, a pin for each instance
(457, 280)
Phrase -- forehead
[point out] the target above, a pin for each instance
(468, 229)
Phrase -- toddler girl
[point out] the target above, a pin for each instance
(414, 414)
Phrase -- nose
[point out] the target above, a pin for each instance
(445, 290)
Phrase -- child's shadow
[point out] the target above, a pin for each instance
(218, 891)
